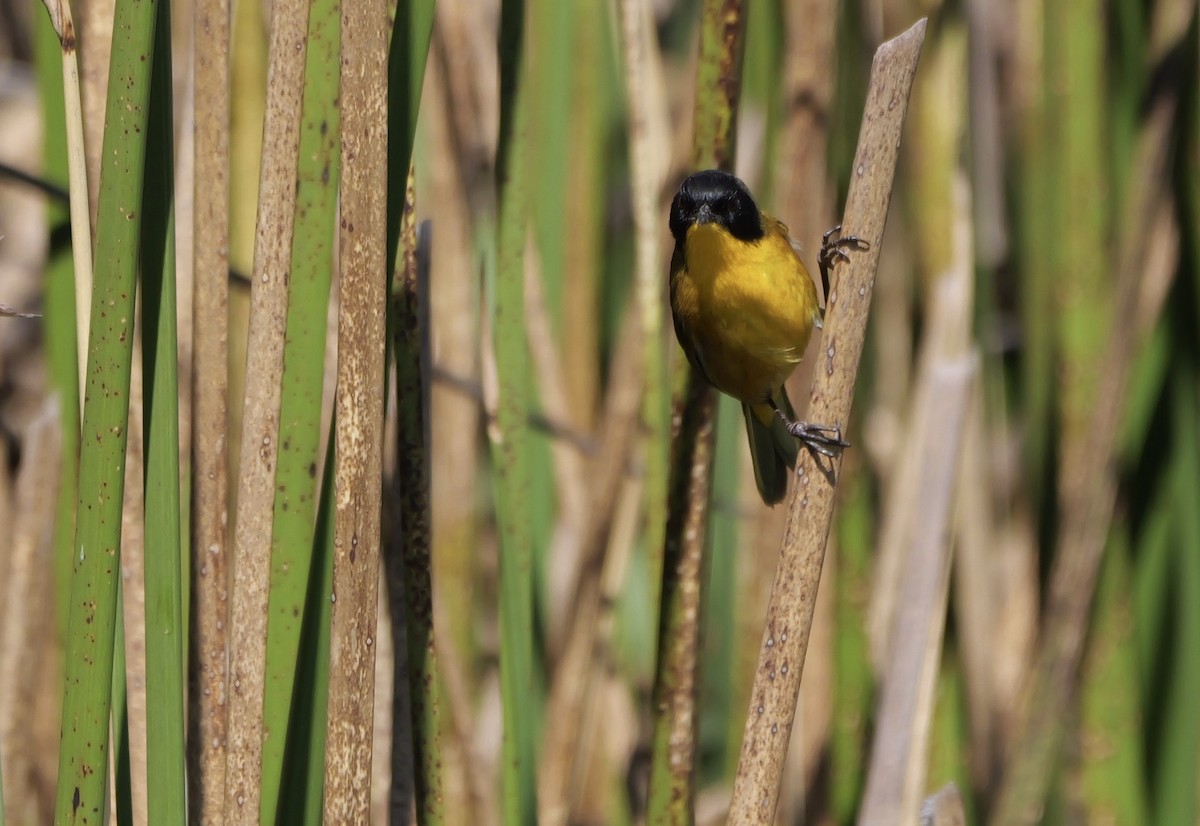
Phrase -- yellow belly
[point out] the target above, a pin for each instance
(744, 310)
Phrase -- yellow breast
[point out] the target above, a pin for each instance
(745, 308)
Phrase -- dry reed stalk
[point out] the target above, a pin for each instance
(899, 757)
(359, 409)
(814, 705)
(938, 121)
(976, 602)
(887, 451)
(260, 411)
(209, 621)
(810, 511)
(949, 367)
(676, 684)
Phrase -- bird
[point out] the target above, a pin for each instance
(744, 308)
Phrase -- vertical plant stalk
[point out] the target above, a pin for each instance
(81, 227)
(209, 647)
(163, 597)
(810, 511)
(649, 158)
(689, 487)
(718, 83)
(260, 414)
(676, 720)
(411, 301)
(899, 754)
(938, 130)
(83, 759)
(509, 434)
(301, 396)
(358, 459)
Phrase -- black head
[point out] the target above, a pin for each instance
(715, 197)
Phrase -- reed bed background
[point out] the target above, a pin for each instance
(1010, 597)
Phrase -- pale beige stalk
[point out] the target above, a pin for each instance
(937, 121)
(209, 647)
(789, 613)
(359, 410)
(260, 416)
(899, 756)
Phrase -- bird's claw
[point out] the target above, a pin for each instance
(835, 247)
(825, 439)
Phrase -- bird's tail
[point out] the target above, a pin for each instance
(772, 448)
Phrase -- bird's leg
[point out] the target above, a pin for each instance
(834, 248)
(825, 439)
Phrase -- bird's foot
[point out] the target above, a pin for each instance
(837, 247)
(825, 439)
(834, 248)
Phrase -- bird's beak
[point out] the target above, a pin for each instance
(704, 215)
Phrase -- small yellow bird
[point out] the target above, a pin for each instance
(744, 307)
